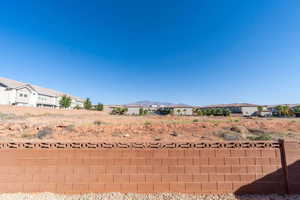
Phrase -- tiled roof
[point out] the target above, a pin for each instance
(44, 91)
(231, 105)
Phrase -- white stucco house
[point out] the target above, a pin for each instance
(182, 110)
(24, 94)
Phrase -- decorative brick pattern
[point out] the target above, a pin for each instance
(190, 168)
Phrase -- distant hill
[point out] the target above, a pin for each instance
(157, 103)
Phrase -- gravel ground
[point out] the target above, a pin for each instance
(118, 196)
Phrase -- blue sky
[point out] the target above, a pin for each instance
(194, 52)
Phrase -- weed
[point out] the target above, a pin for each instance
(147, 123)
(70, 127)
(4, 116)
(261, 137)
(196, 120)
(26, 135)
(98, 123)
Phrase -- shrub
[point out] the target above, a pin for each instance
(260, 137)
(119, 111)
(213, 111)
(27, 136)
(99, 107)
(226, 112)
(70, 127)
(198, 111)
(165, 111)
(147, 123)
(98, 123)
(143, 111)
(195, 120)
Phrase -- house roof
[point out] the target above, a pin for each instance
(44, 91)
(231, 105)
(289, 105)
(134, 106)
(181, 106)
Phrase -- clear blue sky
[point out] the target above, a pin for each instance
(197, 52)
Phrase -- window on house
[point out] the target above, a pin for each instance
(21, 95)
(25, 95)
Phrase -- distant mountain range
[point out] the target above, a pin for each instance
(149, 103)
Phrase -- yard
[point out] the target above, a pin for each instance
(19, 124)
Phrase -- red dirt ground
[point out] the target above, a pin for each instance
(25, 124)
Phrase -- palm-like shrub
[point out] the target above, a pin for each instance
(284, 111)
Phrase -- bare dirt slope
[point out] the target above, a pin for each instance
(41, 124)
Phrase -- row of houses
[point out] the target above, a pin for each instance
(242, 109)
(25, 94)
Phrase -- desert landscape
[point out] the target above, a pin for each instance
(25, 124)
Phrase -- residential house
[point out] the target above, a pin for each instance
(244, 109)
(24, 94)
(182, 110)
(133, 110)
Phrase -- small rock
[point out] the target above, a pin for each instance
(257, 131)
(44, 132)
(239, 129)
(174, 134)
(157, 138)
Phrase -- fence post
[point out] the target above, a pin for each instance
(284, 165)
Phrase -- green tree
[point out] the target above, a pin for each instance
(141, 111)
(65, 101)
(199, 112)
(219, 112)
(260, 108)
(227, 112)
(99, 107)
(297, 109)
(87, 104)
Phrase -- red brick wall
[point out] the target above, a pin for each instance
(292, 150)
(193, 168)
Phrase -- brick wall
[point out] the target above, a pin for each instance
(292, 151)
(143, 168)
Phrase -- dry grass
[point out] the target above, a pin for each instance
(24, 124)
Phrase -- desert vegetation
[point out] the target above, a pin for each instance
(212, 112)
(41, 124)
